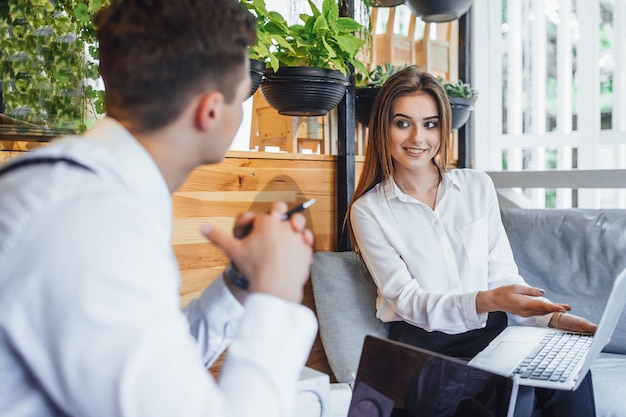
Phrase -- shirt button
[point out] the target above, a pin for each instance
(436, 223)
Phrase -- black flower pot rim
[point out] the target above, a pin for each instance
(257, 74)
(364, 101)
(462, 102)
(313, 72)
(440, 10)
(323, 80)
(366, 91)
(304, 91)
(387, 3)
(461, 111)
(257, 66)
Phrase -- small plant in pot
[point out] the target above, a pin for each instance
(367, 87)
(319, 54)
(462, 98)
(272, 30)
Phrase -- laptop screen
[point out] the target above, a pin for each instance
(398, 380)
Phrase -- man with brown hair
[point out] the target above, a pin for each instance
(90, 323)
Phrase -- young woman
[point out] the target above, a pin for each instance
(433, 240)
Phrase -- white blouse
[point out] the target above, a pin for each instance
(429, 265)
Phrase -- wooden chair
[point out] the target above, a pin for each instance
(272, 131)
(439, 55)
(390, 47)
(436, 49)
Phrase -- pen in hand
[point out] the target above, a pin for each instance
(299, 208)
(233, 274)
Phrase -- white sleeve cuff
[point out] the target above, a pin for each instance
(213, 319)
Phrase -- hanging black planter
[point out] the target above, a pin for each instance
(304, 91)
(257, 72)
(461, 110)
(364, 100)
(439, 10)
(387, 3)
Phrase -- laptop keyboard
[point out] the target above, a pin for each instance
(554, 358)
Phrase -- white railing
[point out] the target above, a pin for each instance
(512, 186)
(522, 143)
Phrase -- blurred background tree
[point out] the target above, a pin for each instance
(48, 62)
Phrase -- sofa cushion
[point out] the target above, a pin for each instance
(609, 384)
(345, 301)
(574, 254)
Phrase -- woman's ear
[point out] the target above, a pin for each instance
(209, 109)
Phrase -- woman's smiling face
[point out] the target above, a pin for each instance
(415, 131)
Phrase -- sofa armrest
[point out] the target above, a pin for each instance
(345, 301)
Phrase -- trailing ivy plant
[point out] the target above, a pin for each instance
(48, 62)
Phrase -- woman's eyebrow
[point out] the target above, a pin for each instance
(435, 117)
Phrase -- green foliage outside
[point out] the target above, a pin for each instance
(47, 57)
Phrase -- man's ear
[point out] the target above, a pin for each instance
(209, 109)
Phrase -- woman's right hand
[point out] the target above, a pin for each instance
(517, 299)
(572, 323)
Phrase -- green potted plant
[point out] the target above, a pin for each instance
(462, 98)
(319, 54)
(367, 87)
(272, 30)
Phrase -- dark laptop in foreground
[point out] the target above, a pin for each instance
(523, 353)
(398, 380)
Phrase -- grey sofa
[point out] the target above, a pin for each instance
(573, 254)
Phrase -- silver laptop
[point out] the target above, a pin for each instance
(519, 352)
(398, 380)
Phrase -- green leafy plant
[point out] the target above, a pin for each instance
(325, 40)
(458, 89)
(272, 32)
(47, 59)
(377, 76)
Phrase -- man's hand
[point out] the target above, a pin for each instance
(274, 255)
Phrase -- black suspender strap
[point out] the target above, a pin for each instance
(43, 160)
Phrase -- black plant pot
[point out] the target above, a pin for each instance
(461, 110)
(439, 10)
(364, 100)
(304, 91)
(387, 3)
(257, 72)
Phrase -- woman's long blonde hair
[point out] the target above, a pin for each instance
(378, 164)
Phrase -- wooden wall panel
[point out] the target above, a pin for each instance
(249, 181)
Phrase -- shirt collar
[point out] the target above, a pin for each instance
(448, 179)
(130, 163)
(390, 189)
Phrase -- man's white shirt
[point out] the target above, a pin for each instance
(90, 319)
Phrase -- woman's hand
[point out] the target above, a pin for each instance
(572, 323)
(274, 255)
(521, 300)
